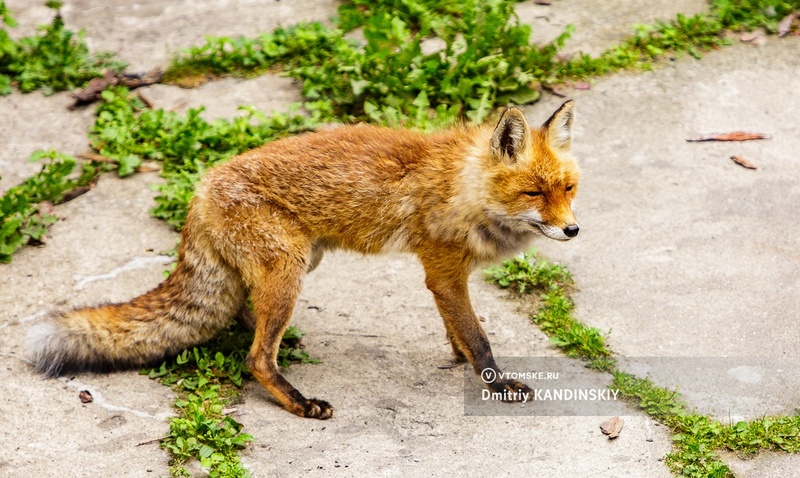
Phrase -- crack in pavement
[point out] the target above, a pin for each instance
(97, 398)
(135, 263)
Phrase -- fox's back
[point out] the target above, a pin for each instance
(354, 186)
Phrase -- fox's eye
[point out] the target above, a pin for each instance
(569, 188)
(532, 193)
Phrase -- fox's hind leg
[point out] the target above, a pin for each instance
(272, 254)
(247, 318)
(274, 295)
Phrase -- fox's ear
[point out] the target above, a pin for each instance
(558, 129)
(511, 136)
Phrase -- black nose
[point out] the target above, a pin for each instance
(572, 230)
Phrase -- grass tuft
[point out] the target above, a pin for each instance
(208, 380)
(23, 215)
(56, 59)
(528, 273)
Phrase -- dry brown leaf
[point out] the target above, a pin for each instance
(145, 100)
(148, 167)
(612, 427)
(73, 193)
(96, 157)
(747, 37)
(555, 90)
(785, 25)
(94, 88)
(85, 396)
(130, 80)
(743, 162)
(757, 37)
(137, 80)
(733, 136)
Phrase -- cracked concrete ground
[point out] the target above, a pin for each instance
(682, 254)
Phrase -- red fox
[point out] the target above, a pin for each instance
(259, 222)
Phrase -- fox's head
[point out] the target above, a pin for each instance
(534, 178)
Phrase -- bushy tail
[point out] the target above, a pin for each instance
(199, 298)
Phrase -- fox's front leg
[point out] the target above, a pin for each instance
(446, 277)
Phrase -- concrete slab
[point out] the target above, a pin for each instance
(46, 428)
(375, 327)
(601, 26)
(766, 465)
(147, 33)
(222, 98)
(35, 121)
(682, 253)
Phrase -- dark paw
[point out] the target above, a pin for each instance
(512, 390)
(458, 354)
(314, 408)
(454, 363)
(459, 357)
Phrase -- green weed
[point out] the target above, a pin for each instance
(697, 438)
(486, 60)
(8, 47)
(693, 35)
(56, 59)
(22, 219)
(305, 43)
(752, 14)
(528, 273)
(207, 380)
(204, 433)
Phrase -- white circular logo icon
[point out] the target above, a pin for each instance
(488, 375)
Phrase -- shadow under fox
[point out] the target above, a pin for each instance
(261, 221)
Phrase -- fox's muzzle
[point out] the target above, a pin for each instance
(557, 233)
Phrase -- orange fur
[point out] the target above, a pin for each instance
(261, 221)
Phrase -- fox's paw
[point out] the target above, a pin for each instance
(314, 408)
(511, 390)
(454, 363)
